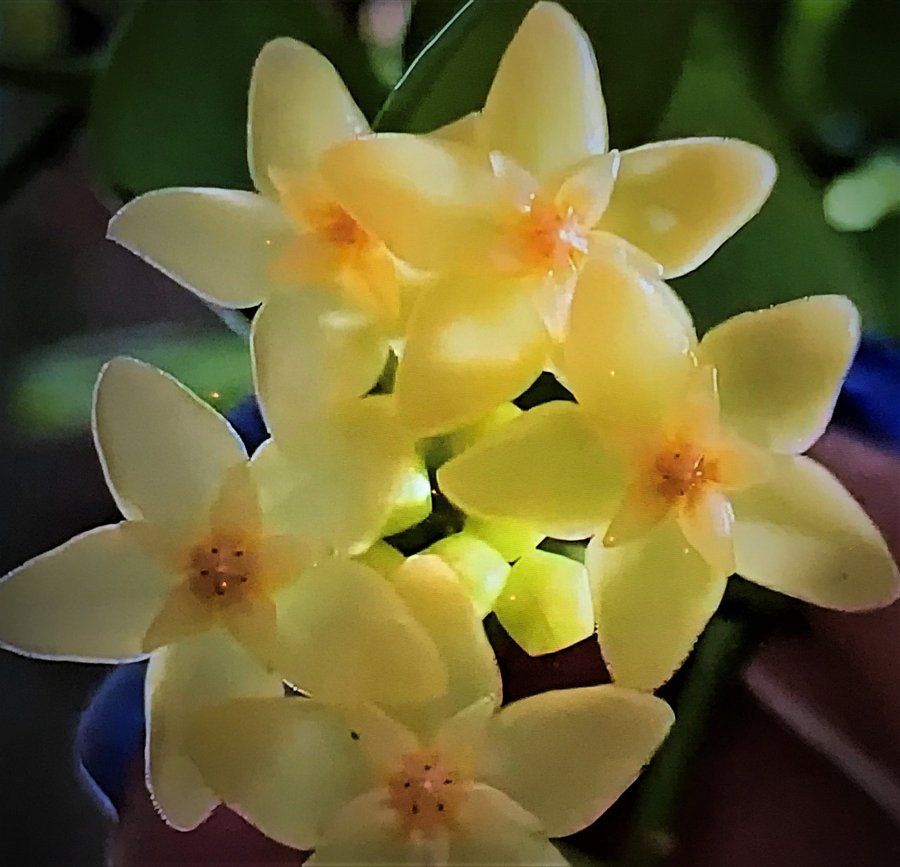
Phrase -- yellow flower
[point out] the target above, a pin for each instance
(685, 459)
(240, 248)
(473, 784)
(200, 575)
(505, 206)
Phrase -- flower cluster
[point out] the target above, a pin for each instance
(340, 696)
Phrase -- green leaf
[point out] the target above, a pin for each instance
(52, 390)
(171, 107)
(639, 45)
(788, 251)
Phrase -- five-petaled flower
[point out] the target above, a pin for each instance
(460, 782)
(685, 459)
(505, 206)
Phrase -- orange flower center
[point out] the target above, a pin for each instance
(682, 471)
(221, 567)
(425, 793)
(548, 239)
(338, 227)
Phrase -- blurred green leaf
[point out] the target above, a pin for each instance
(31, 30)
(52, 391)
(788, 251)
(639, 45)
(171, 108)
(859, 200)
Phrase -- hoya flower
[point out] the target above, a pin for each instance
(475, 784)
(685, 459)
(240, 248)
(504, 207)
(224, 600)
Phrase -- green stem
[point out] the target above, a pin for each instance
(720, 654)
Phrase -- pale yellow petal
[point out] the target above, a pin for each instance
(627, 351)
(285, 764)
(780, 369)
(547, 469)
(220, 244)
(508, 537)
(679, 201)
(346, 635)
(567, 755)
(383, 558)
(587, 190)
(164, 451)
(89, 600)
(253, 623)
(337, 482)
(708, 526)
(545, 107)
(308, 355)
(427, 199)
(493, 829)
(801, 533)
(182, 615)
(463, 131)
(641, 509)
(546, 603)
(366, 831)
(439, 601)
(652, 599)
(481, 569)
(182, 679)
(469, 347)
(410, 500)
(298, 108)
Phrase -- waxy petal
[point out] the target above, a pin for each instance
(780, 369)
(545, 107)
(652, 599)
(299, 107)
(708, 525)
(345, 635)
(89, 600)
(588, 189)
(366, 831)
(480, 568)
(679, 201)
(336, 482)
(469, 348)
(220, 244)
(309, 355)
(801, 533)
(546, 603)
(567, 755)
(165, 453)
(439, 602)
(287, 765)
(427, 199)
(547, 469)
(628, 351)
(493, 829)
(181, 680)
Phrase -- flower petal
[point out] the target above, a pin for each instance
(708, 525)
(469, 348)
(89, 600)
(165, 453)
(628, 350)
(366, 831)
(801, 533)
(479, 567)
(652, 598)
(286, 765)
(681, 200)
(181, 679)
(299, 107)
(547, 469)
(493, 829)
(427, 199)
(780, 369)
(438, 600)
(220, 244)
(545, 107)
(567, 755)
(182, 615)
(337, 482)
(347, 636)
(588, 189)
(546, 603)
(309, 355)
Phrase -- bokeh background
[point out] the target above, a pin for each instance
(103, 99)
